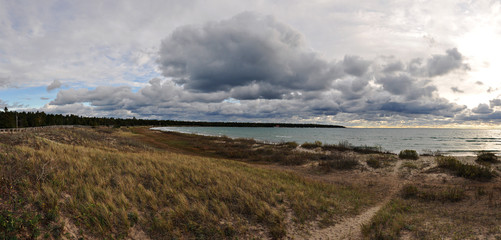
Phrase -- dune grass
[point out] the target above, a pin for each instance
(469, 171)
(423, 211)
(107, 182)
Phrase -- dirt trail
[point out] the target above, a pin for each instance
(350, 228)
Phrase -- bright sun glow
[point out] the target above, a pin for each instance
(482, 48)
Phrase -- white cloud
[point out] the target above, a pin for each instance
(364, 54)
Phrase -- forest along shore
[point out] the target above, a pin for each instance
(137, 183)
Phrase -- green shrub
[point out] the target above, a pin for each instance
(487, 157)
(408, 154)
(465, 170)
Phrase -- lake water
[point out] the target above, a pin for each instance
(457, 142)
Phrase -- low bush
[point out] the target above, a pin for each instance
(483, 157)
(465, 170)
(408, 154)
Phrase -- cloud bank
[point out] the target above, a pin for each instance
(252, 67)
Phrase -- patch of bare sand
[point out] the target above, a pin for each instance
(71, 231)
(136, 233)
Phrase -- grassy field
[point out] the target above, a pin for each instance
(134, 183)
(121, 183)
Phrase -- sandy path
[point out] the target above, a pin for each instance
(350, 228)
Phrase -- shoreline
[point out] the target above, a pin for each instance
(423, 152)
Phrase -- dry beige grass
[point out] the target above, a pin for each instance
(138, 184)
(105, 183)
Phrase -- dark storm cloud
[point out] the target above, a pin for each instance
(398, 84)
(438, 65)
(482, 109)
(495, 102)
(442, 107)
(491, 117)
(246, 50)
(393, 67)
(405, 85)
(355, 65)
(442, 64)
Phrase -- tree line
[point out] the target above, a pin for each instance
(13, 119)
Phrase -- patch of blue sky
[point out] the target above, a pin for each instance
(32, 97)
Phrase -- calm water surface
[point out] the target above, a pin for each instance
(458, 142)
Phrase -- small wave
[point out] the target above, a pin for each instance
(283, 136)
(481, 140)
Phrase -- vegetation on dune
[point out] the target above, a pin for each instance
(438, 211)
(338, 161)
(108, 181)
(408, 154)
(380, 160)
(486, 157)
(389, 221)
(343, 146)
(451, 194)
(469, 171)
(308, 145)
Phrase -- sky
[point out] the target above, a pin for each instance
(353, 63)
